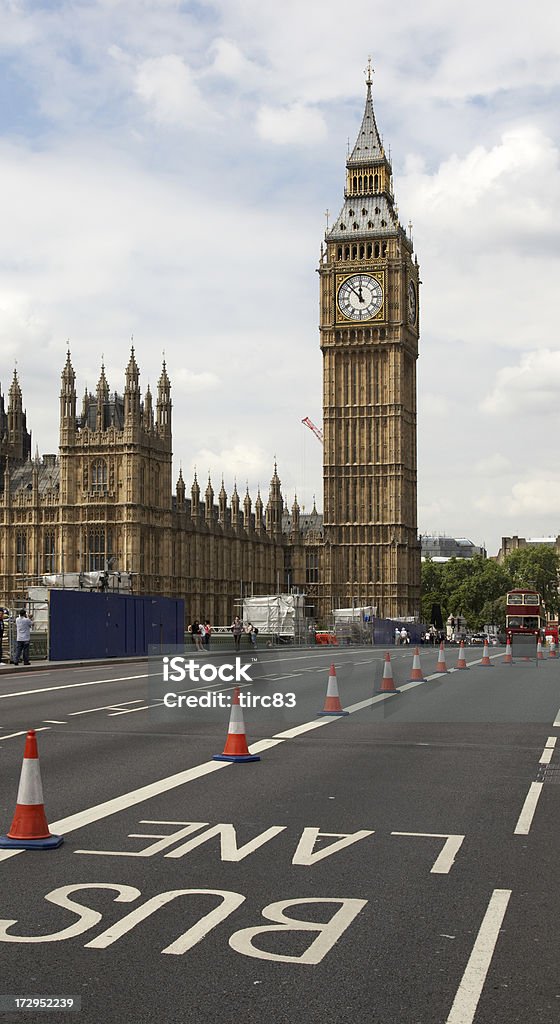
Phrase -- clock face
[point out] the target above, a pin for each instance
(360, 297)
(411, 303)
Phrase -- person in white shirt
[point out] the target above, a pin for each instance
(23, 637)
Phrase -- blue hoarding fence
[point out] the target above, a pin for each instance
(91, 625)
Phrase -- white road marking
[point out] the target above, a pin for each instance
(551, 742)
(546, 756)
(446, 859)
(107, 707)
(130, 711)
(43, 728)
(53, 721)
(528, 810)
(72, 686)
(472, 982)
(556, 722)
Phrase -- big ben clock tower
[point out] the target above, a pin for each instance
(369, 319)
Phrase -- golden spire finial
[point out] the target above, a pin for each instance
(369, 71)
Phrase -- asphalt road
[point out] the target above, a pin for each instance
(394, 866)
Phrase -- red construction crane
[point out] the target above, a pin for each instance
(316, 430)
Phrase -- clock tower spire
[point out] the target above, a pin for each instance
(369, 339)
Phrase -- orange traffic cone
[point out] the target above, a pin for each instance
(508, 657)
(540, 655)
(416, 674)
(332, 699)
(236, 748)
(29, 829)
(461, 662)
(552, 653)
(485, 662)
(441, 662)
(388, 683)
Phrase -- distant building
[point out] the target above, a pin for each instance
(441, 549)
(510, 544)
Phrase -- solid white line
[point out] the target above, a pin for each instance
(106, 707)
(528, 810)
(43, 728)
(472, 982)
(53, 721)
(130, 711)
(72, 686)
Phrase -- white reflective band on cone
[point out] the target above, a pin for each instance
(30, 790)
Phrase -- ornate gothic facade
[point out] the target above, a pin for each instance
(107, 500)
(369, 322)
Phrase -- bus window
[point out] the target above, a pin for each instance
(531, 621)
(530, 598)
(514, 599)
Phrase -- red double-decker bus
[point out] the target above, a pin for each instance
(525, 614)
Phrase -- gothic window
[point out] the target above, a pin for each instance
(347, 252)
(142, 482)
(376, 249)
(355, 182)
(371, 181)
(99, 476)
(369, 250)
(99, 548)
(85, 477)
(49, 551)
(342, 226)
(376, 182)
(360, 183)
(354, 252)
(362, 252)
(311, 566)
(384, 249)
(21, 551)
(364, 212)
(355, 225)
(339, 253)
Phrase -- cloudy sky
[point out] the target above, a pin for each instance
(165, 168)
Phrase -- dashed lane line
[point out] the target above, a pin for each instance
(471, 984)
(528, 810)
(42, 728)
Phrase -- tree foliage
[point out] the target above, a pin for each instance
(476, 587)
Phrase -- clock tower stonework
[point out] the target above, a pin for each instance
(369, 320)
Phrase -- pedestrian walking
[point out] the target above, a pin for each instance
(405, 639)
(252, 634)
(397, 636)
(196, 637)
(207, 633)
(23, 636)
(237, 629)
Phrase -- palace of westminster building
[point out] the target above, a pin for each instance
(107, 498)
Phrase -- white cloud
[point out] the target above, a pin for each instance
(297, 124)
(529, 387)
(168, 88)
(537, 498)
(230, 61)
(240, 462)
